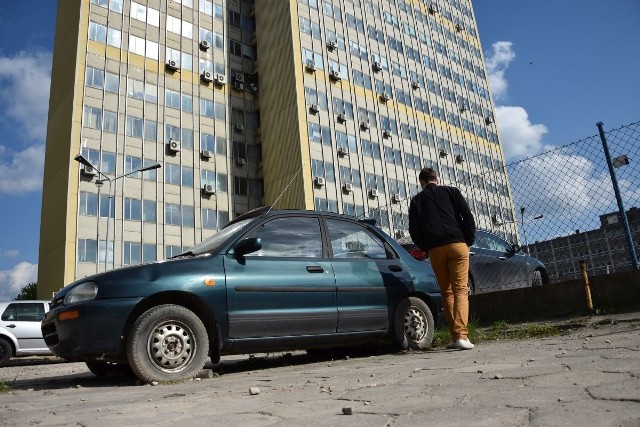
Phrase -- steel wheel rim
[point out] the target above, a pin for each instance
(171, 346)
(415, 324)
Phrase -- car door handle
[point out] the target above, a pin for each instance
(472, 253)
(502, 258)
(11, 326)
(395, 268)
(315, 269)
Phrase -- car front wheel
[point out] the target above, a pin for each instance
(413, 324)
(167, 343)
(6, 351)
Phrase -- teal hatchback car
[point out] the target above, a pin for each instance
(268, 281)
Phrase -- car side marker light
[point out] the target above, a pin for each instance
(68, 315)
(209, 281)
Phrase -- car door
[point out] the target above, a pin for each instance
(487, 263)
(23, 321)
(500, 266)
(287, 288)
(370, 279)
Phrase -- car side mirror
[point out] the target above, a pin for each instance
(247, 246)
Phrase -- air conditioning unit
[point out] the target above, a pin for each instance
(373, 193)
(239, 127)
(395, 198)
(173, 146)
(459, 158)
(332, 45)
(364, 125)
(238, 85)
(377, 66)
(89, 171)
(386, 133)
(384, 97)
(220, 79)
(342, 118)
(253, 88)
(239, 77)
(334, 74)
(433, 9)
(204, 45)
(206, 76)
(206, 154)
(319, 181)
(347, 188)
(415, 85)
(463, 108)
(459, 28)
(208, 189)
(343, 151)
(488, 120)
(241, 161)
(310, 65)
(172, 65)
(443, 152)
(314, 108)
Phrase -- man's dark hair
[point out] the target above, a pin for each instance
(428, 175)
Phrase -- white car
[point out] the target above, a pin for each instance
(20, 333)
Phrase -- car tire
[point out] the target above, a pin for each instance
(167, 343)
(6, 351)
(102, 369)
(413, 325)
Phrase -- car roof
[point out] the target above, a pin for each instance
(23, 301)
(265, 211)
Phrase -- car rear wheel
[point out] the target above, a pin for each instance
(413, 325)
(103, 369)
(6, 351)
(167, 343)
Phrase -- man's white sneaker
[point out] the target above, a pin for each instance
(464, 344)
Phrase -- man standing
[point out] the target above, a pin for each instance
(442, 225)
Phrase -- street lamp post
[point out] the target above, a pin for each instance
(498, 222)
(81, 159)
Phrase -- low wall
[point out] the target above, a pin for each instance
(609, 293)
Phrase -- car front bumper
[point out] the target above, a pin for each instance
(88, 330)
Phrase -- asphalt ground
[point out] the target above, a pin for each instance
(588, 375)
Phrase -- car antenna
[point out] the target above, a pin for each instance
(285, 188)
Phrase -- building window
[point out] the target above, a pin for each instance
(149, 209)
(88, 204)
(132, 253)
(97, 32)
(132, 209)
(92, 117)
(134, 127)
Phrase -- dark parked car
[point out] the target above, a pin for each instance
(495, 265)
(268, 281)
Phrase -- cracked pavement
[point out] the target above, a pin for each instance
(589, 375)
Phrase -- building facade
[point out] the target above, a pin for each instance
(605, 249)
(308, 104)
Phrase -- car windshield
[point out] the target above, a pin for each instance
(215, 241)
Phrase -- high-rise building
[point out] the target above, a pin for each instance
(310, 104)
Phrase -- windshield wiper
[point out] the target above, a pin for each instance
(184, 254)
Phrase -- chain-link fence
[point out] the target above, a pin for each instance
(564, 211)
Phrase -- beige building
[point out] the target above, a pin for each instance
(328, 105)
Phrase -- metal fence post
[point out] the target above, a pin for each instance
(623, 214)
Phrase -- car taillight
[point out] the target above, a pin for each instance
(418, 254)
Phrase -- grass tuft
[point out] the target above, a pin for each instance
(4, 387)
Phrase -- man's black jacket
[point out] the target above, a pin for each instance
(439, 215)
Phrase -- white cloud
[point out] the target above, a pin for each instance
(498, 60)
(22, 171)
(11, 253)
(12, 281)
(520, 138)
(24, 92)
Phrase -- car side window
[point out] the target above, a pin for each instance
(24, 312)
(351, 240)
(480, 241)
(289, 237)
(497, 244)
(9, 313)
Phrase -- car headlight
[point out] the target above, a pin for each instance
(83, 292)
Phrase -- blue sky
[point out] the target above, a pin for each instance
(557, 68)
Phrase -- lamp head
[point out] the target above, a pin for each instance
(82, 160)
(151, 167)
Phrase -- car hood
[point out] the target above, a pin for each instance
(144, 279)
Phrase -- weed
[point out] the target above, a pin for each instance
(4, 387)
